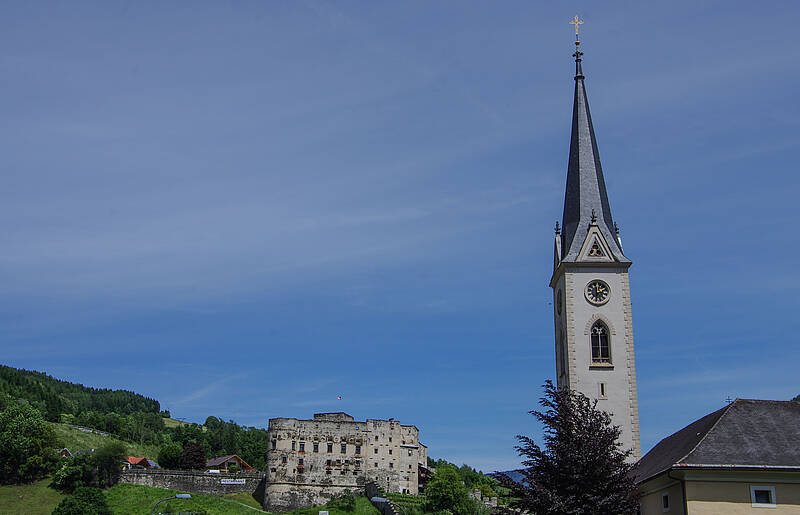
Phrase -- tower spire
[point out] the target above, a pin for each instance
(586, 188)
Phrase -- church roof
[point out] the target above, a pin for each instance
(586, 189)
(745, 434)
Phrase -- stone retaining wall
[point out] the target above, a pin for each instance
(196, 482)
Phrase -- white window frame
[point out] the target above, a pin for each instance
(754, 504)
(663, 509)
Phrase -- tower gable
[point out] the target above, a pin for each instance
(595, 248)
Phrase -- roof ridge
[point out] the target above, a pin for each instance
(713, 426)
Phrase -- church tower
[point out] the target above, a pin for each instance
(591, 293)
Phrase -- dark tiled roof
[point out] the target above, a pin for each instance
(218, 461)
(745, 433)
(215, 462)
(586, 188)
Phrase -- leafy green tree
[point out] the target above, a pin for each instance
(75, 472)
(108, 460)
(169, 456)
(581, 469)
(446, 491)
(84, 501)
(27, 444)
(193, 456)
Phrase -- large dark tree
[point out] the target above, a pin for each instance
(582, 468)
(193, 456)
(108, 459)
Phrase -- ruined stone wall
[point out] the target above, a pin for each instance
(310, 460)
(194, 482)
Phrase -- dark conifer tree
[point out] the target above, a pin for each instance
(581, 468)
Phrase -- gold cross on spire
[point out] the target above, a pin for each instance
(577, 22)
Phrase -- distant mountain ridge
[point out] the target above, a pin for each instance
(516, 475)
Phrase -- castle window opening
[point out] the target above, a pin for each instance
(330, 447)
(358, 449)
(316, 447)
(293, 445)
(283, 459)
(302, 447)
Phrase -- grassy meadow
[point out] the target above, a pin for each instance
(33, 499)
(75, 439)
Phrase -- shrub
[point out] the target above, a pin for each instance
(85, 501)
(75, 472)
(345, 501)
(169, 457)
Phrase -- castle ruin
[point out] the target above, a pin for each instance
(310, 461)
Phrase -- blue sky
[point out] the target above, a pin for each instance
(246, 209)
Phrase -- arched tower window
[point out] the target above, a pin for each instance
(601, 352)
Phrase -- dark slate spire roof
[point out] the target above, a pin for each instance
(746, 433)
(586, 189)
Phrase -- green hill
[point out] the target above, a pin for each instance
(54, 397)
(125, 499)
(75, 440)
(34, 499)
(39, 499)
(127, 416)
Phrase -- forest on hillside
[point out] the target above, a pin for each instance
(54, 397)
(126, 415)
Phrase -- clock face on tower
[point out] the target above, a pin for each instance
(597, 292)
